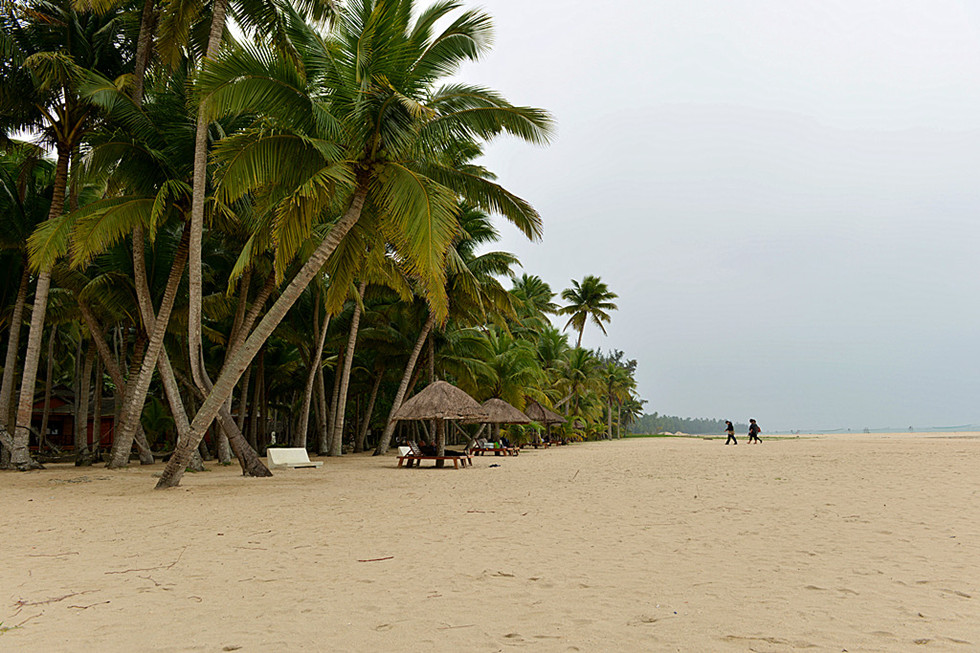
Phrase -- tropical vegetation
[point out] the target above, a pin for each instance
(235, 225)
(656, 423)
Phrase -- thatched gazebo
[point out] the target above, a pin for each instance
(500, 412)
(440, 401)
(539, 413)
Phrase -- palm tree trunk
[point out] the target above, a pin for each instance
(143, 42)
(231, 435)
(262, 437)
(320, 333)
(107, 360)
(334, 402)
(385, 441)
(368, 412)
(81, 401)
(203, 451)
(247, 457)
(323, 428)
(253, 313)
(20, 455)
(338, 417)
(197, 207)
(7, 418)
(224, 447)
(236, 365)
(315, 409)
(97, 407)
(136, 395)
(76, 380)
(243, 401)
(440, 441)
(48, 373)
(432, 359)
(609, 419)
(139, 350)
(253, 418)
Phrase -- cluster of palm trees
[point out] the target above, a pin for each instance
(266, 219)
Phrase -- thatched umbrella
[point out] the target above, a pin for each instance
(539, 413)
(500, 412)
(441, 401)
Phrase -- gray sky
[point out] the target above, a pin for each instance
(784, 194)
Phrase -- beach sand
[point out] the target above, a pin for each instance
(831, 543)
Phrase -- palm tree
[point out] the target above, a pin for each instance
(515, 373)
(26, 180)
(264, 19)
(617, 382)
(577, 379)
(360, 124)
(52, 47)
(534, 295)
(588, 300)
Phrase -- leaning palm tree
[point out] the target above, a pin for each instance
(264, 19)
(589, 300)
(358, 125)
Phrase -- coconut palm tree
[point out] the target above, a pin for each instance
(590, 299)
(264, 19)
(533, 301)
(515, 374)
(26, 179)
(360, 124)
(51, 47)
(577, 379)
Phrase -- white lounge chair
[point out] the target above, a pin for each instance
(296, 458)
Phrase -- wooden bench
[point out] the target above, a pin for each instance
(412, 454)
(296, 458)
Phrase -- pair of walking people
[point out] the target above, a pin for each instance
(754, 432)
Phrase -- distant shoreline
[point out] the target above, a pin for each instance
(810, 434)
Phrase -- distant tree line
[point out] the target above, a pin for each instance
(657, 423)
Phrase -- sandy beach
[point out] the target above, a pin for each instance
(831, 543)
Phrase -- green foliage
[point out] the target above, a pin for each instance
(657, 423)
(317, 102)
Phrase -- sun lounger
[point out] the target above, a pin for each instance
(290, 457)
(482, 446)
(412, 454)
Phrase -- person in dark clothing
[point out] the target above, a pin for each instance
(754, 431)
(730, 429)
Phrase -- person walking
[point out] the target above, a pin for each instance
(730, 429)
(754, 431)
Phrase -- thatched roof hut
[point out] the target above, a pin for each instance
(500, 412)
(539, 413)
(441, 400)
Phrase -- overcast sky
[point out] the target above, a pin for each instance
(784, 194)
